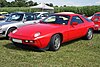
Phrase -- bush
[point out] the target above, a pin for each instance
(87, 10)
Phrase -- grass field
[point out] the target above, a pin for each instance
(77, 53)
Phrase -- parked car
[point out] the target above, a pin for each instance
(3, 12)
(42, 15)
(2, 17)
(96, 19)
(52, 31)
(15, 21)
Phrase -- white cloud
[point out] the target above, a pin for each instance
(70, 3)
(98, 3)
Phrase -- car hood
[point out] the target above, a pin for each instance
(30, 30)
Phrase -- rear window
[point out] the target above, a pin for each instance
(86, 19)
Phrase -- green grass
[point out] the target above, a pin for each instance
(77, 53)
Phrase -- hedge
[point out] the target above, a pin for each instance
(87, 10)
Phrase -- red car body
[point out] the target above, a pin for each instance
(96, 20)
(42, 34)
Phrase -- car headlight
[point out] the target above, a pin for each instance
(37, 34)
(14, 31)
(96, 25)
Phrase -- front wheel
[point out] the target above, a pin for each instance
(55, 42)
(89, 34)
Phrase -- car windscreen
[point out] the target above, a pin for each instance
(86, 19)
(97, 15)
(15, 17)
(57, 19)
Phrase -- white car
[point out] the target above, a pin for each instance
(16, 20)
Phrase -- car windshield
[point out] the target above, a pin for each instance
(97, 15)
(15, 17)
(37, 13)
(57, 19)
(86, 19)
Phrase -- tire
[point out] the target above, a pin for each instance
(10, 30)
(89, 34)
(55, 42)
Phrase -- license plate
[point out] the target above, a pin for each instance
(17, 40)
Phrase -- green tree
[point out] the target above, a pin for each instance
(3, 3)
(51, 5)
(20, 3)
(30, 3)
(35, 3)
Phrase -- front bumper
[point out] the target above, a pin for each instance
(2, 34)
(40, 43)
(29, 47)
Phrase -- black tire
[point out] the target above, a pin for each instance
(10, 30)
(89, 34)
(55, 42)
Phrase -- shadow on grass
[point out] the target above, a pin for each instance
(70, 42)
(96, 32)
(12, 46)
(3, 38)
(25, 48)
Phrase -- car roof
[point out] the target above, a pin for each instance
(40, 12)
(23, 13)
(66, 13)
(97, 13)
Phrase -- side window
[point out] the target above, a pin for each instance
(62, 19)
(30, 17)
(76, 19)
(45, 15)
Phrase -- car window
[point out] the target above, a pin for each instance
(15, 17)
(45, 15)
(86, 19)
(30, 17)
(57, 19)
(97, 15)
(76, 19)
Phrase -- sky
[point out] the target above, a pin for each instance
(68, 2)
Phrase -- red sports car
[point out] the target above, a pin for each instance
(52, 31)
(96, 20)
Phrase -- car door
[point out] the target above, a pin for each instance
(76, 30)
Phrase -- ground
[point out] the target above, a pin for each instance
(77, 53)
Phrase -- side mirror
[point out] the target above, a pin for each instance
(74, 23)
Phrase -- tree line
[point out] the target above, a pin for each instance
(20, 3)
